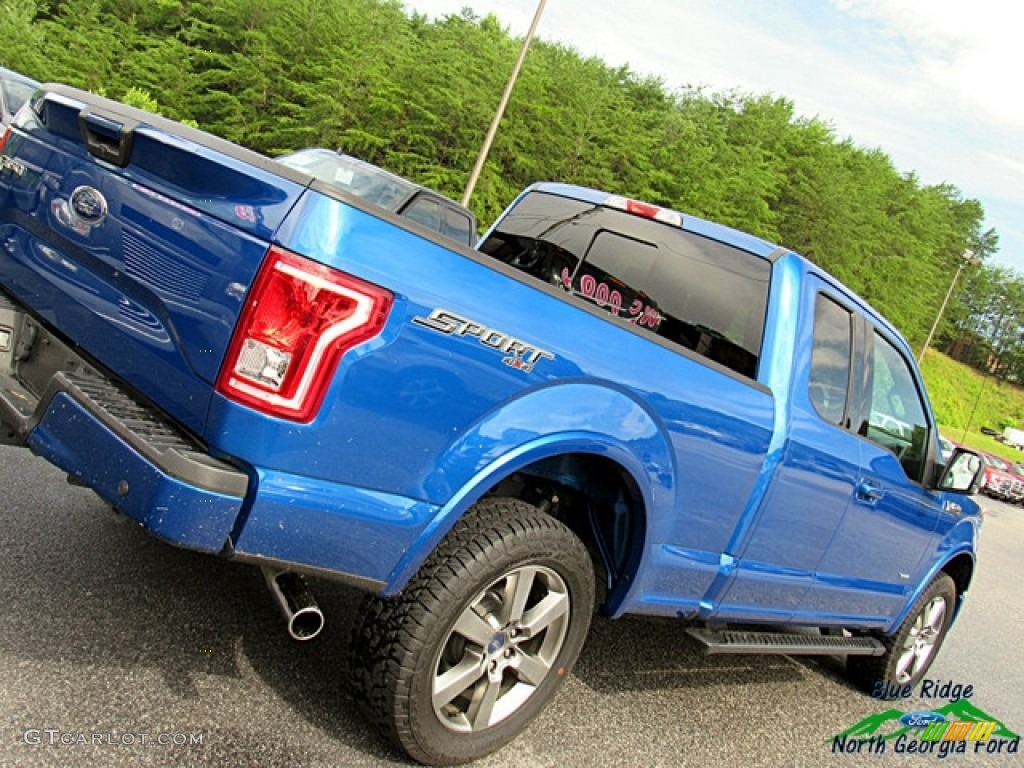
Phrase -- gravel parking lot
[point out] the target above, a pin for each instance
(116, 650)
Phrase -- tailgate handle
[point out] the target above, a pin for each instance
(105, 138)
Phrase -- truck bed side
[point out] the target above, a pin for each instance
(136, 242)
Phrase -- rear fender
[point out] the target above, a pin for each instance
(552, 421)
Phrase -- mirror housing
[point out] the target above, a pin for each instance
(962, 473)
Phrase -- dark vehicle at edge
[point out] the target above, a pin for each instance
(15, 90)
(388, 190)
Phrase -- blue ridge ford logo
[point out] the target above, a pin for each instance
(921, 719)
(89, 205)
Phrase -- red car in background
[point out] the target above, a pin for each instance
(1001, 479)
(1017, 470)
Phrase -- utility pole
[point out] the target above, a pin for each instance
(968, 259)
(489, 139)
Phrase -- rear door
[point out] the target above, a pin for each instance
(819, 470)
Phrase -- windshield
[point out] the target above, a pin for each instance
(992, 461)
(354, 176)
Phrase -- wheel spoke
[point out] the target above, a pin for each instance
(531, 669)
(457, 679)
(904, 664)
(480, 710)
(474, 628)
(935, 614)
(553, 607)
(517, 592)
(921, 659)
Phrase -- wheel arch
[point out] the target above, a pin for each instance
(961, 569)
(959, 564)
(588, 435)
(600, 500)
(538, 473)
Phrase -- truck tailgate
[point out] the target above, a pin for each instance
(136, 239)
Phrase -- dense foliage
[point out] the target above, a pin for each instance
(967, 401)
(416, 97)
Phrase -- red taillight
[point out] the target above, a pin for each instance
(299, 319)
(4, 136)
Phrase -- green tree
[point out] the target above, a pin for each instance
(23, 38)
(416, 96)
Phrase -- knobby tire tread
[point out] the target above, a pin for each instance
(866, 671)
(386, 639)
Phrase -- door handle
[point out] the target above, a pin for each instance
(869, 492)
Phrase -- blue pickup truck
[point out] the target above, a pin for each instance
(607, 405)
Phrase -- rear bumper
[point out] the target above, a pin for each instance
(132, 457)
(159, 475)
(154, 473)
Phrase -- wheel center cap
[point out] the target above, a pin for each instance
(497, 643)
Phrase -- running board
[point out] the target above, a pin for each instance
(735, 641)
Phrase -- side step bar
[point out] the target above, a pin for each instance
(740, 641)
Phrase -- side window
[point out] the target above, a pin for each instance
(16, 94)
(829, 381)
(897, 419)
(424, 211)
(456, 226)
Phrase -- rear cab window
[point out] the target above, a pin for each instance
(424, 210)
(458, 226)
(694, 292)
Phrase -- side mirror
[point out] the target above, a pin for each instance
(962, 473)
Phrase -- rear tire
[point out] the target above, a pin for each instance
(481, 638)
(912, 649)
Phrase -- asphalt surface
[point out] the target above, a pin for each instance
(109, 636)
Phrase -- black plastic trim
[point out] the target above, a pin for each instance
(141, 426)
(787, 643)
(359, 582)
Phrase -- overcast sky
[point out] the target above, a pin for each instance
(935, 84)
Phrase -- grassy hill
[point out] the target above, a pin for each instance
(965, 399)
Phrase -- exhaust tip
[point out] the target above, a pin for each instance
(303, 616)
(306, 624)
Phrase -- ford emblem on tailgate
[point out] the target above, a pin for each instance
(89, 205)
